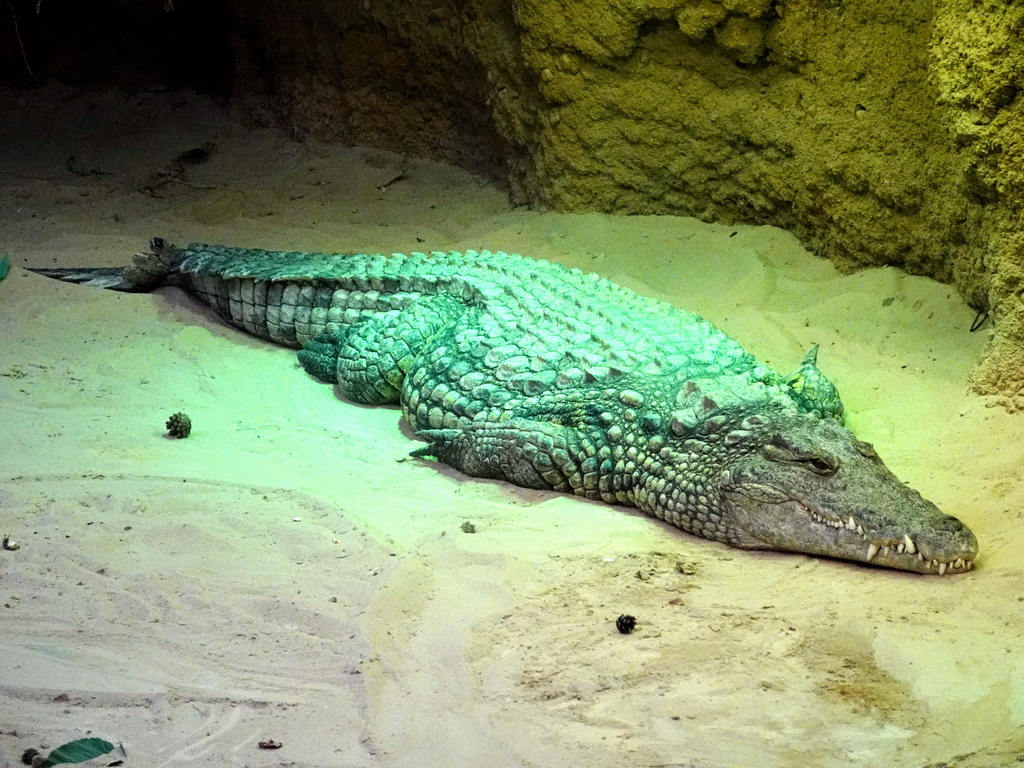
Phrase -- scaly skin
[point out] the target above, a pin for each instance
(525, 371)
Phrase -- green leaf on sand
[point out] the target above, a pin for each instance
(78, 751)
(5, 264)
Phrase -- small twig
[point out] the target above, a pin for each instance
(17, 34)
(400, 177)
(191, 183)
(166, 177)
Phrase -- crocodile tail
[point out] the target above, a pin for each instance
(148, 270)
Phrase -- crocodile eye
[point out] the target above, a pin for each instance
(819, 466)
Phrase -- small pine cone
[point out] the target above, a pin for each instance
(625, 623)
(179, 425)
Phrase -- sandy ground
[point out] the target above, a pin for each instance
(288, 573)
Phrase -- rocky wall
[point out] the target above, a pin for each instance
(977, 67)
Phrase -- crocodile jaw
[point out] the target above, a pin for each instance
(941, 545)
(811, 487)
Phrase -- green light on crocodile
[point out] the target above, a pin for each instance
(550, 378)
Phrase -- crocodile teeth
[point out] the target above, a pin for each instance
(860, 529)
(911, 547)
(872, 551)
(958, 564)
(942, 568)
(901, 548)
(827, 521)
(851, 524)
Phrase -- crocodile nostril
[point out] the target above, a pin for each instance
(953, 525)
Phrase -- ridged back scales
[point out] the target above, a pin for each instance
(554, 316)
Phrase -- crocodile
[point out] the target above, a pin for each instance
(550, 378)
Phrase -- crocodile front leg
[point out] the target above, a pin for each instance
(532, 454)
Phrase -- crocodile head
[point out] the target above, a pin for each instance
(792, 481)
